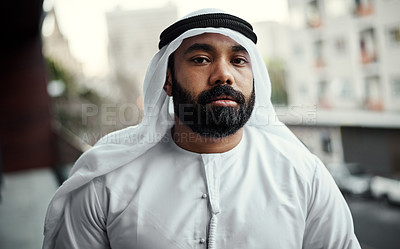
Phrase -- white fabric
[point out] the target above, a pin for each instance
(122, 148)
(269, 194)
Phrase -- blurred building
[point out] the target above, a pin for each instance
(345, 54)
(272, 39)
(56, 46)
(133, 37)
(343, 80)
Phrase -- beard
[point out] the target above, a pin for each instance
(208, 120)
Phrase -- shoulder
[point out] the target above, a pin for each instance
(88, 204)
(285, 155)
(128, 136)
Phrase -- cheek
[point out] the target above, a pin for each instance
(194, 80)
(247, 92)
(190, 84)
(245, 82)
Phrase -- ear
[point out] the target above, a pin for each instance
(168, 83)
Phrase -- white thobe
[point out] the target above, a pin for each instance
(265, 193)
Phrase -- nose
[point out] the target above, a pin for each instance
(221, 73)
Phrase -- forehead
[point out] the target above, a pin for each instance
(216, 40)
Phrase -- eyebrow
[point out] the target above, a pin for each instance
(200, 47)
(239, 48)
(209, 48)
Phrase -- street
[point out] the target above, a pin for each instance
(377, 224)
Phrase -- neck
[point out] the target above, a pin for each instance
(185, 138)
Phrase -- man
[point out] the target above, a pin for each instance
(213, 169)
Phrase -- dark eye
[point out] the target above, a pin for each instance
(200, 60)
(239, 61)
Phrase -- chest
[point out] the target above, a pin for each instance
(171, 207)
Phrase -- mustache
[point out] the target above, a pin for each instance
(207, 96)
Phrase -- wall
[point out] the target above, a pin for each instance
(25, 128)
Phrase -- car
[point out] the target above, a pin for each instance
(386, 188)
(351, 178)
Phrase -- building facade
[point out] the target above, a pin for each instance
(133, 37)
(345, 54)
(341, 60)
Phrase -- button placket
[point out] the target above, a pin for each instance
(211, 166)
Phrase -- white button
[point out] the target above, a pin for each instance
(204, 196)
(202, 241)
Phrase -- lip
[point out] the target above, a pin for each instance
(223, 97)
(223, 100)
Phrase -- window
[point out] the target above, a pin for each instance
(373, 93)
(298, 51)
(323, 94)
(343, 88)
(319, 53)
(368, 47)
(326, 143)
(363, 7)
(395, 87)
(313, 14)
(303, 90)
(393, 35)
(340, 46)
(346, 91)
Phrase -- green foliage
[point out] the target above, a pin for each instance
(91, 96)
(56, 72)
(277, 74)
(67, 108)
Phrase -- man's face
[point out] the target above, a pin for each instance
(212, 85)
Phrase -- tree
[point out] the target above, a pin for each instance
(277, 74)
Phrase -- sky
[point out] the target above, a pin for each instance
(83, 22)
